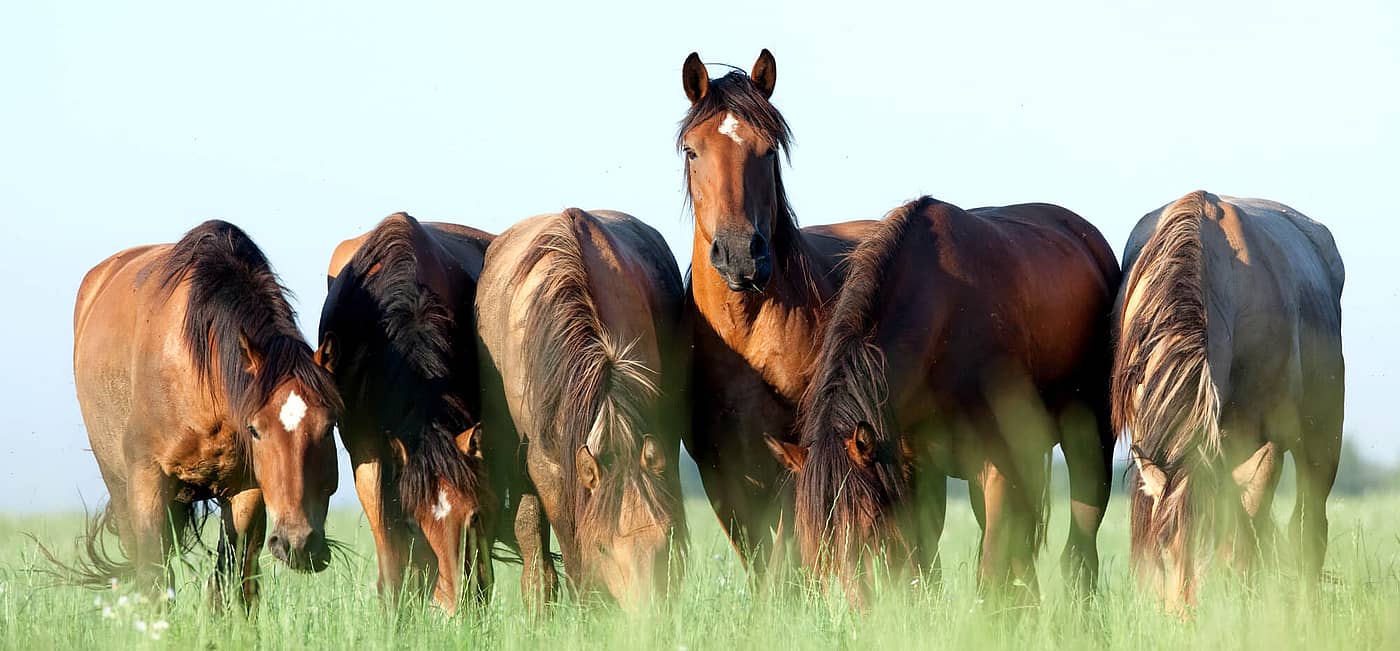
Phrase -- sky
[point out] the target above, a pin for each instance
(306, 123)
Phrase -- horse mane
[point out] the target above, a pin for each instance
(412, 349)
(736, 93)
(582, 381)
(1173, 424)
(235, 296)
(848, 389)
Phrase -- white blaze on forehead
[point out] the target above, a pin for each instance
(442, 508)
(293, 410)
(730, 127)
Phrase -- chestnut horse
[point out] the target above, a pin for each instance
(195, 384)
(398, 334)
(1229, 355)
(757, 287)
(964, 343)
(584, 371)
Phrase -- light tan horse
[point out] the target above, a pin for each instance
(584, 370)
(1229, 355)
(195, 384)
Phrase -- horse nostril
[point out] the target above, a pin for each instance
(277, 545)
(717, 257)
(758, 246)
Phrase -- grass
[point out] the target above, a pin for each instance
(718, 608)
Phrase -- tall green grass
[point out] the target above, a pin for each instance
(717, 606)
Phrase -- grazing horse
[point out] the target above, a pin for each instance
(195, 384)
(398, 334)
(584, 371)
(963, 343)
(1229, 354)
(758, 285)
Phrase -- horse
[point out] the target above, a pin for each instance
(756, 291)
(1229, 354)
(398, 333)
(964, 343)
(580, 317)
(194, 385)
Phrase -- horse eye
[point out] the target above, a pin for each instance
(254, 431)
(690, 154)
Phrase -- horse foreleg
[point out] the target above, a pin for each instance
(1087, 443)
(539, 583)
(390, 541)
(244, 525)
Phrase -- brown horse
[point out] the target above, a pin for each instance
(1229, 355)
(964, 343)
(195, 384)
(757, 287)
(584, 371)
(398, 334)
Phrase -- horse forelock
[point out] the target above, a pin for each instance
(234, 297)
(584, 383)
(1163, 396)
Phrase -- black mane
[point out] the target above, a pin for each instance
(234, 296)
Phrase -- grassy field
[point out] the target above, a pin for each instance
(718, 608)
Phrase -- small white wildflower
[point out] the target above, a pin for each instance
(155, 636)
(1019, 583)
(97, 602)
(169, 594)
(112, 582)
(160, 625)
(140, 626)
(915, 582)
(717, 557)
(122, 601)
(682, 647)
(107, 613)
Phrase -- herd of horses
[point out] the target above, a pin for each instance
(826, 380)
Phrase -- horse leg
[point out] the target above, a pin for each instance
(150, 498)
(1316, 460)
(1087, 443)
(1256, 477)
(1009, 539)
(385, 520)
(244, 526)
(538, 581)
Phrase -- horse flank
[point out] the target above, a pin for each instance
(849, 389)
(416, 325)
(1163, 396)
(582, 381)
(233, 296)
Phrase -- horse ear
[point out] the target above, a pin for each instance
(695, 78)
(765, 72)
(252, 358)
(791, 455)
(652, 457)
(469, 442)
(325, 353)
(399, 451)
(587, 468)
(861, 445)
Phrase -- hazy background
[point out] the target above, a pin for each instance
(306, 124)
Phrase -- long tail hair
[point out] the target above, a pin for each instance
(97, 566)
(1164, 399)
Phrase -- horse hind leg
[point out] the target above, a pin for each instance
(1013, 506)
(1087, 442)
(1315, 458)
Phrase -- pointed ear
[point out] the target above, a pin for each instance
(587, 468)
(861, 445)
(791, 455)
(400, 453)
(695, 78)
(469, 442)
(653, 459)
(325, 353)
(252, 358)
(765, 72)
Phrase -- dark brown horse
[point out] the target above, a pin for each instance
(964, 343)
(757, 287)
(584, 369)
(195, 384)
(397, 332)
(1229, 355)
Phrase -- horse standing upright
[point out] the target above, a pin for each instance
(398, 333)
(758, 285)
(1229, 354)
(584, 368)
(964, 343)
(195, 384)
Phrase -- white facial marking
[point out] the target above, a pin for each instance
(292, 411)
(442, 508)
(730, 127)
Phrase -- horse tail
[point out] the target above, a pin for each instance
(97, 566)
(1163, 397)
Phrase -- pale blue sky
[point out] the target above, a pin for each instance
(128, 123)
